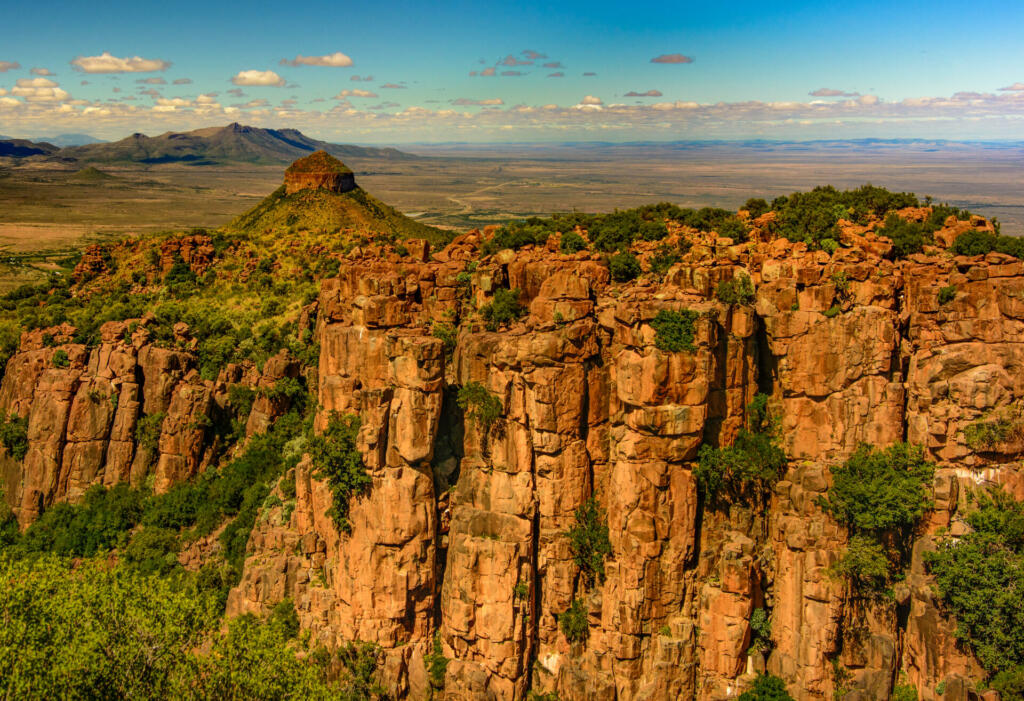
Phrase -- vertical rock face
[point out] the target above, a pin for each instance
(319, 170)
(462, 536)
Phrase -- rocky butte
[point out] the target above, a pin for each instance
(584, 387)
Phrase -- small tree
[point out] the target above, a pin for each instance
(589, 541)
(503, 308)
(674, 331)
(624, 267)
(574, 622)
(479, 403)
(336, 458)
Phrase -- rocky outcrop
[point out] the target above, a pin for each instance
(316, 171)
(462, 536)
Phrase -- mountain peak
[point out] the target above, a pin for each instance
(319, 170)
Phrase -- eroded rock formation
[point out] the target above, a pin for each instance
(463, 532)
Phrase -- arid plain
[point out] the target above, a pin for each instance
(50, 210)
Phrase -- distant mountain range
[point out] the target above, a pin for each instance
(234, 143)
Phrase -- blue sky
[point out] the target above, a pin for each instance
(936, 69)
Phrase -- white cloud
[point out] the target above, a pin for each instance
(393, 86)
(259, 78)
(36, 83)
(335, 60)
(182, 81)
(832, 92)
(105, 63)
(649, 93)
(465, 101)
(511, 60)
(1016, 87)
(556, 74)
(365, 79)
(9, 66)
(40, 71)
(591, 100)
(151, 81)
(254, 103)
(354, 93)
(39, 90)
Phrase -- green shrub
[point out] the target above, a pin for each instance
(588, 540)
(101, 522)
(738, 290)
(865, 563)
(812, 216)
(148, 430)
(756, 207)
(180, 278)
(624, 267)
(986, 435)
(733, 227)
(14, 435)
(152, 551)
(674, 331)
(665, 256)
(574, 622)
(503, 308)
(907, 237)
(748, 467)
(881, 490)
(60, 358)
(766, 688)
(571, 242)
(980, 577)
(436, 663)
(448, 334)
(979, 243)
(284, 615)
(761, 630)
(1009, 684)
(336, 458)
(830, 246)
(833, 311)
(947, 294)
(479, 403)
(903, 692)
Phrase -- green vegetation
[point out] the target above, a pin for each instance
(503, 308)
(674, 331)
(60, 358)
(979, 243)
(14, 435)
(881, 490)
(147, 431)
(149, 529)
(448, 334)
(573, 622)
(980, 577)
(737, 290)
(907, 237)
(833, 311)
(761, 630)
(751, 465)
(624, 267)
(756, 206)
(880, 495)
(903, 692)
(92, 630)
(480, 404)
(588, 540)
(986, 434)
(766, 688)
(436, 663)
(571, 242)
(947, 294)
(812, 216)
(665, 256)
(336, 458)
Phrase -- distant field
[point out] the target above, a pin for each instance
(47, 213)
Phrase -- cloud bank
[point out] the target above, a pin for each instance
(105, 63)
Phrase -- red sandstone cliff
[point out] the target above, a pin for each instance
(459, 519)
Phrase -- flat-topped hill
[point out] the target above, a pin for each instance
(319, 170)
